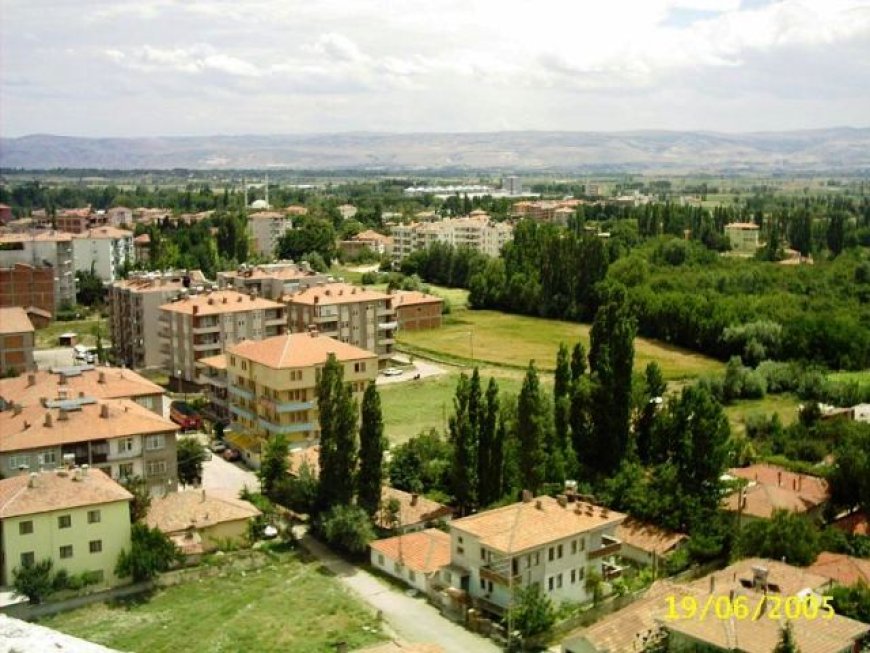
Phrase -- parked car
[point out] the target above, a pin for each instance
(393, 371)
(217, 446)
(231, 454)
(185, 415)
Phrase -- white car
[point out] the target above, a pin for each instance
(392, 371)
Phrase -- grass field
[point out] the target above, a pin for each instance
(786, 405)
(46, 338)
(862, 377)
(416, 406)
(287, 606)
(512, 340)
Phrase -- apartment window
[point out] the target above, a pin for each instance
(154, 442)
(460, 550)
(573, 547)
(95, 546)
(397, 567)
(156, 467)
(359, 367)
(27, 559)
(381, 559)
(559, 551)
(25, 527)
(551, 554)
(64, 521)
(582, 543)
(483, 584)
(537, 556)
(125, 470)
(125, 445)
(482, 553)
(551, 583)
(559, 581)
(412, 576)
(244, 363)
(528, 561)
(47, 458)
(573, 576)
(581, 573)
(232, 360)
(98, 576)
(15, 462)
(93, 516)
(66, 552)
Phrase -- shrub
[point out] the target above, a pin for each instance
(347, 528)
(34, 580)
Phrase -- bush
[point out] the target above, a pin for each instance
(532, 612)
(34, 581)
(151, 552)
(347, 528)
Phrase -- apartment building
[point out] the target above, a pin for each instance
(360, 317)
(552, 211)
(265, 229)
(134, 313)
(119, 216)
(104, 250)
(16, 341)
(73, 221)
(61, 383)
(77, 518)
(553, 543)
(417, 310)
(366, 240)
(50, 250)
(117, 436)
(213, 379)
(743, 237)
(272, 383)
(478, 232)
(205, 324)
(272, 280)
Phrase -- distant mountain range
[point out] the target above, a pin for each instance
(839, 149)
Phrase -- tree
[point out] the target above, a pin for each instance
(89, 288)
(463, 437)
(853, 601)
(191, 455)
(578, 361)
(786, 643)
(308, 235)
(422, 464)
(371, 452)
(850, 476)
(34, 580)
(151, 552)
(836, 235)
(531, 431)
(785, 536)
(273, 465)
(348, 528)
(532, 611)
(490, 451)
(299, 492)
(138, 487)
(338, 443)
(653, 390)
(563, 375)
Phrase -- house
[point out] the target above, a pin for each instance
(414, 512)
(78, 518)
(50, 269)
(366, 240)
(308, 456)
(265, 229)
(199, 521)
(417, 310)
(62, 383)
(743, 237)
(551, 543)
(414, 558)
(756, 579)
(117, 436)
(27, 285)
(347, 211)
(842, 569)
(16, 341)
(770, 488)
(272, 280)
(142, 248)
(647, 544)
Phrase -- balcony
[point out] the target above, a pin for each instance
(241, 412)
(498, 575)
(388, 325)
(383, 312)
(609, 546)
(241, 392)
(285, 428)
(286, 406)
(200, 330)
(207, 346)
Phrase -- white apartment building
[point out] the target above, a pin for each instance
(105, 249)
(272, 280)
(52, 249)
(266, 228)
(477, 231)
(554, 543)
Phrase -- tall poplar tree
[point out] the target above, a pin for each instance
(490, 455)
(338, 443)
(463, 470)
(578, 361)
(371, 452)
(531, 425)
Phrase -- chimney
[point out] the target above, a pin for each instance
(43, 401)
(62, 380)
(578, 508)
(48, 421)
(81, 393)
(195, 309)
(202, 497)
(85, 468)
(102, 377)
(563, 500)
(104, 410)
(16, 409)
(800, 482)
(62, 415)
(527, 496)
(794, 484)
(414, 497)
(779, 478)
(31, 482)
(31, 380)
(712, 583)
(539, 504)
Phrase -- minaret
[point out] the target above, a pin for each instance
(268, 206)
(245, 185)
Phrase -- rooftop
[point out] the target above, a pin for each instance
(104, 232)
(842, 569)
(273, 271)
(297, 350)
(157, 282)
(742, 225)
(413, 297)
(40, 236)
(370, 234)
(773, 488)
(266, 215)
(217, 302)
(648, 537)
(855, 523)
(526, 525)
(72, 382)
(304, 456)
(218, 362)
(178, 511)
(36, 426)
(413, 509)
(424, 551)
(334, 293)
(57, 490)
(14, 320)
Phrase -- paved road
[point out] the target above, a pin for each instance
(424, 368)
(412, 619)
(218, 474)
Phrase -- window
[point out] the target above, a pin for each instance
(125, 470)
(64, 521)
(582, 543)
(16, 462)
(156, 467)
(96, 546)
(573, 547)
(460, 550)
(66, 551)
(397, 567)
(125, 445)
(97, 575)
(581, 573)
(482, 553)
(359, 367)
(25, 527)
(573, 576)
(483, 584)
(537, 558)
(551, 554)
(27, 559)
(559, 551)
(47, 458)
(93, 516)
(381, 559)
(559, 581)
(154, 442)
(551, 582)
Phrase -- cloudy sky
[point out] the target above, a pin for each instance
(198, 67)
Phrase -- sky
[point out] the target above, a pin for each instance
(104, 68)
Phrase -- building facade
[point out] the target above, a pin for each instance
(273, 280)
(16, 341)
(202, 325)
(52, 250)
(77, 518)
(476, 232)
(265, 229)
(416, 310)
(105, 250)
(743, 237)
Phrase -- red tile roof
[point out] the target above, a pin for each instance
(841, 568)
(424, 551)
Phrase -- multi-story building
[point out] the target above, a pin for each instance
(202, 325)
(73, 221)
(104, 250)
(77, 518)
(116, 435)
(552, 543)
(49, 249)
(366, 240)
(26, 285)
(478, 232)
(417, 310)
(142, 249)
(61, 383)
(358, 316)
(743, 237)
(213, 379)
(272, 280)
(120, 216)
(347, 211)
(134, 308)
(16, 341)
(266, 228)
(555, 211)
(272, 384)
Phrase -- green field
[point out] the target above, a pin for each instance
(492, 337)
(288, 605)
(786, 405)
(46, 338)
(862, 377)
